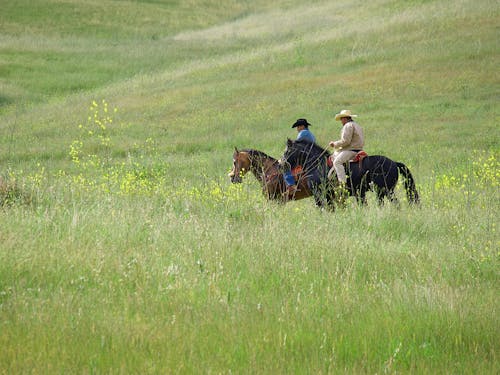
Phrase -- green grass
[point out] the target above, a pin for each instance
(127, 250)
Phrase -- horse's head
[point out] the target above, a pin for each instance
(303, 153)
(241, 165)
(291, 154)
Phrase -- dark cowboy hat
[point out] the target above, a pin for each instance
(301, 121)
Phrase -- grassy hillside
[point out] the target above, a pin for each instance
(57, 48)
(124, 248)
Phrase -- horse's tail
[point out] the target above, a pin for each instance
(409, 184)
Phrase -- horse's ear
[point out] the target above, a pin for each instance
(236, 150)
(289, 142)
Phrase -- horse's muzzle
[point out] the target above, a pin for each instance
(235, 178)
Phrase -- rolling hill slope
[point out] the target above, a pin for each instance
(418, 65)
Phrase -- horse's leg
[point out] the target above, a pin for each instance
(392, 198)
(317, 194)
(361, 198)
(359, 184)
(381, 194)
(274, 191)
(318, 199)
(391, 181)
(330, 195)
(318, 189)
(357, 190)
(381, 185)
(388, 184)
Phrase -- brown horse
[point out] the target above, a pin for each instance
(267, 171)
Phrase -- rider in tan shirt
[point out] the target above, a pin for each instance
(350, 143)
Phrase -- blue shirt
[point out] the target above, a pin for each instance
(304, 135)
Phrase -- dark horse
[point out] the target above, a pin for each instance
(267, 171)
(376, 173)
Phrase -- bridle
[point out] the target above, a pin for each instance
(257, 165)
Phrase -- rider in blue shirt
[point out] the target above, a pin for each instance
(303, 134)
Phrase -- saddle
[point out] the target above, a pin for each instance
(296, 172)
(358, 158)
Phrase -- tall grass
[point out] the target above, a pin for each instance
(219, 280)
(124, 248)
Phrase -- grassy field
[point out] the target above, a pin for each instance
(125, 249)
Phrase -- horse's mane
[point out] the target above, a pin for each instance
(317, 149)
(258, 154)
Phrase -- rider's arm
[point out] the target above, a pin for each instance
(346, 137)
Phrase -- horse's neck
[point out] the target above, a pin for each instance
(307, 155)
(264, 168)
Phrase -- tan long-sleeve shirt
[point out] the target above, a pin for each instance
(351, 137)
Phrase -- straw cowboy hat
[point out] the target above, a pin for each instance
(344, 113)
